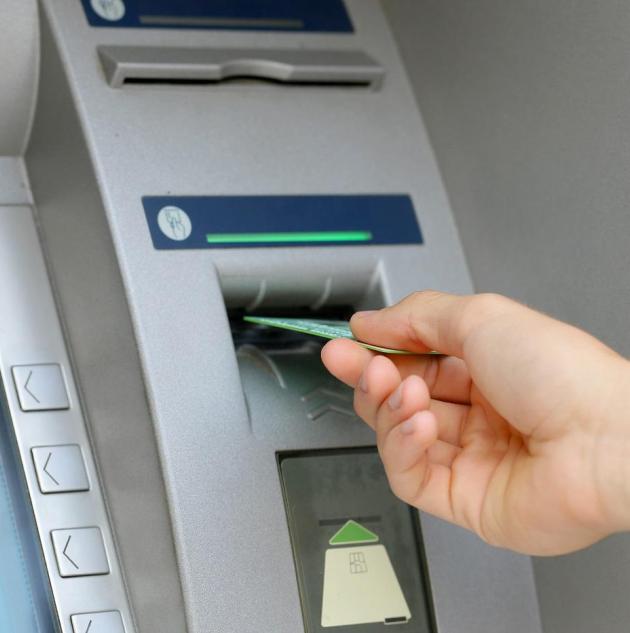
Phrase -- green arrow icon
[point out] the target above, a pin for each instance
(352, 533)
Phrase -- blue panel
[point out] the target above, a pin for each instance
(257, 15)
(185, 222)
(25, 601)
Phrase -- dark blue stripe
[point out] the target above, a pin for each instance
(306, 15)
(391, 219)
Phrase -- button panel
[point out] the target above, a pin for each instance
(40, 387)
(80, 552)
(51, 438)
(102, 622)
(60, 468)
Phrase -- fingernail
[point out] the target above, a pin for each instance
(363, 385)
(395, 400)
(408, 426)
(364, 313)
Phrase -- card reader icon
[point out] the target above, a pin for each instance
(360, 584)
(174, 223)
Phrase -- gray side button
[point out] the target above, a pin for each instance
(80, 552)
(40, 387)
(60, 468)
(101, 622)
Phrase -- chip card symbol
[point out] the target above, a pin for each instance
(357, 563)
(360, 584)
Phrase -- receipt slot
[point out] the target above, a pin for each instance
(356, 546)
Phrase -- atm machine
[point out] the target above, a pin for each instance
(165, 466)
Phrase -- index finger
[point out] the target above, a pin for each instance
(447, 377)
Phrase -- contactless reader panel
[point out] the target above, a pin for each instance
(356, 546)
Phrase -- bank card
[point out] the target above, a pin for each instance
(321, 328)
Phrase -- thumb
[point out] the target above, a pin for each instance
(429, 320)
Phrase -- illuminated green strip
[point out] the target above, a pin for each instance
(292, 237)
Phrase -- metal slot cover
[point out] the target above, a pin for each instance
(123, 64)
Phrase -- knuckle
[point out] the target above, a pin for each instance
(414, 323)
(401, 491)
(425, 295)
(489, 533)
(489, 302)
(480, 307)
(421, 296)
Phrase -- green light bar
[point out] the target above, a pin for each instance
(288, 237)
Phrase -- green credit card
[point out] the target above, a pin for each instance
(319, 327)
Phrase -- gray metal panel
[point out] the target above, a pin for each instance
(243, 139)
(19, 52)
(124, 63)
(586, 591)
(103, 350)
(30, 333)
(472, 593)
(527, 105)
(13, 184)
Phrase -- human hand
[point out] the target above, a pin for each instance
(520, 432)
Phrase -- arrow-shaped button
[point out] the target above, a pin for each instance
(65, 552)
(60, 468)
(30, 393)
(101, 622)
(40, 387)
(326, 392)
(321, 401)
(80, 552)
(329, 407)
(45, 469)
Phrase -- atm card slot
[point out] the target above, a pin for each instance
(276, 339)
